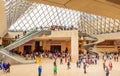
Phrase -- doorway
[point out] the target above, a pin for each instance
(27, 49)
(55, 48)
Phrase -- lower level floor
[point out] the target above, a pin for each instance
(32, 69)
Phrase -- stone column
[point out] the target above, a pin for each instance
(74, 45)
(84, 43)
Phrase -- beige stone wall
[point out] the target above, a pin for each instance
(106, 48)
(66, 34)
(63, 44)
(21, 48)
(3, 21)
(46, 45)
(13, 34)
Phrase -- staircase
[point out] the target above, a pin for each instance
(87, 35)
(95, 40)
(14, 58)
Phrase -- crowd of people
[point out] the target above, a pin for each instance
(107, 61)
(84, 61)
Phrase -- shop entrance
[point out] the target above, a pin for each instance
(55, 48)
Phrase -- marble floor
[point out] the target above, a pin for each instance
(47, 66)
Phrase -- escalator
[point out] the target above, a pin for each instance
(26, 38)
(14, 58)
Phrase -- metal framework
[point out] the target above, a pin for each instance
(14, 9)
(24, 16)
(93, 24)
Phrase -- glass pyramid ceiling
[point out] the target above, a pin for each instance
(14, 9)
(39, 15)
(98, 24)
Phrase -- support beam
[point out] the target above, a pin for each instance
(3, 23)
(74, 46)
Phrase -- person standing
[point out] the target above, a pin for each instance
(39, 70)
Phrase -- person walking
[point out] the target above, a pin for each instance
(4, 66)
(54, 63)
(8, 68)
(55, 70)
(95, 60)
(104, 66)
(117, 57)
(110, 65)
(65, 59)
(84, 67)
(61, 60)
(77, 64)
(68, 64)
(107, 71)
(39, 70)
